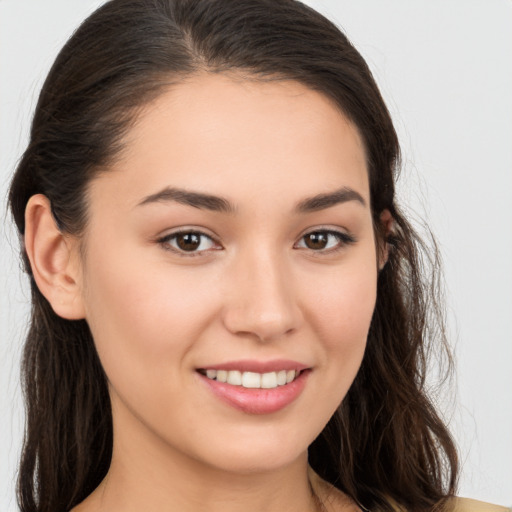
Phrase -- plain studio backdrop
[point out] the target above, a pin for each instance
(445, 70)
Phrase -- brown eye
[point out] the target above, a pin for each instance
(192, 242)
(188, 241)
(325, 241)
(316, 240)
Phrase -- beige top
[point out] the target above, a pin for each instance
(467, 505)
(335, 501)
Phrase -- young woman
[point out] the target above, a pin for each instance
(229, 310)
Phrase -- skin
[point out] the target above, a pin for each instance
(255, 290)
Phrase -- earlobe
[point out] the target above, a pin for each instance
(53, 259)
(387, 223)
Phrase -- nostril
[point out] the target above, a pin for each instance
(262, 302)
(262, 326)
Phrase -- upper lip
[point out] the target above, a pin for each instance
(251, 365)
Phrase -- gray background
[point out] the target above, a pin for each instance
(445, 69)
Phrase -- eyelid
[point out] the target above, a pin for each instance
(164, 240)
(344, 238)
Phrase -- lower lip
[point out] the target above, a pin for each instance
(258, 401)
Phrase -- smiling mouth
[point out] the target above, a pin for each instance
(252, 380)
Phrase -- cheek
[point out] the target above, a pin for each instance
(343, 309)
(344, 304)
(142, 314)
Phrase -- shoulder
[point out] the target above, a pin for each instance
(334, 500)
(468, 505)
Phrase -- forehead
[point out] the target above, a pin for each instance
(223, 134)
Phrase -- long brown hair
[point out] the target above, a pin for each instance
(385, 445)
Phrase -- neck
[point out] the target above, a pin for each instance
(207, 490)
(149, 475)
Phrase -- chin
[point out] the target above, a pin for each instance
(260, 453)
(252, 464)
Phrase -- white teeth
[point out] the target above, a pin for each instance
(211, 374)
(235, 378)
(281, 378)
(253, 380)
(269, 380)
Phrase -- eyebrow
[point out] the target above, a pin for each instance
(329, 199)
(189, 198)
(219, 204)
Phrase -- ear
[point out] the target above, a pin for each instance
(54, 259)
(387, 223)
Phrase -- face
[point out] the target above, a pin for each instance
(229, 273)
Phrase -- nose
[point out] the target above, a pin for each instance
(262, 301)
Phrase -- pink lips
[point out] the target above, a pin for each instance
(258, 400)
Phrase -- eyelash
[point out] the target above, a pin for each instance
(166, 240)
(343, 240)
